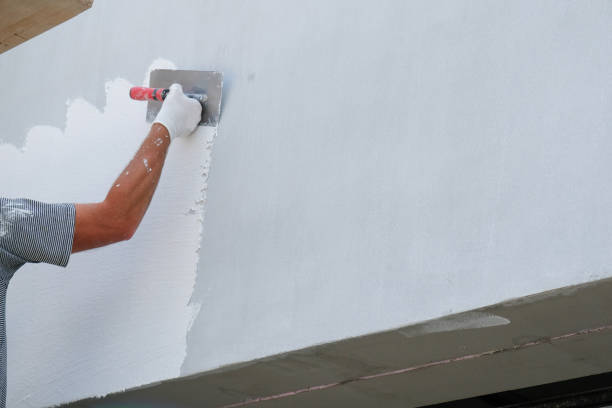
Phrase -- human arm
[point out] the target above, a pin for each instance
(118, 216)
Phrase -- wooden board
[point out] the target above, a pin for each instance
(21, 20)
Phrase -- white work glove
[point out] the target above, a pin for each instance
(179, 114)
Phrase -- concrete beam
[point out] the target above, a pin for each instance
(548, 337)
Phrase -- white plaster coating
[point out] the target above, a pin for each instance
(462, 321)
(117, 316)
(146, 164)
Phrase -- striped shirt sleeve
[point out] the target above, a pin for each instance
(37, 231)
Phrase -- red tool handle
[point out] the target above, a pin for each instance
(141, 93)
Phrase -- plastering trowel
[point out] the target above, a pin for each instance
(203, 86)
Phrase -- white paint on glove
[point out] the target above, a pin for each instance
(179, 114)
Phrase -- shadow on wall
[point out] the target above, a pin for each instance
(228, 81)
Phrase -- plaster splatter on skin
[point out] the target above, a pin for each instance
(146, 164)
(159, 141)
(462, 321)
(130, 298)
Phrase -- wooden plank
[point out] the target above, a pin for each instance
(21, 20)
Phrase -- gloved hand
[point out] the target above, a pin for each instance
(179, 114)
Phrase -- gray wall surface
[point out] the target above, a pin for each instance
(377, 163)
(382, 163)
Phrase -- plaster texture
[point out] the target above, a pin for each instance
(378, 163)
(117, 316)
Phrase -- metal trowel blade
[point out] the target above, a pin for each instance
(196, 82)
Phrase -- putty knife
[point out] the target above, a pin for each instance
(203, 86)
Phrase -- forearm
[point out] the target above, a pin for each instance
(119, 215)
(131, 194)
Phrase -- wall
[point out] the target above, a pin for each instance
(377, 164)
(117, 316)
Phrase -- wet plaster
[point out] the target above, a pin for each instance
(117, 316)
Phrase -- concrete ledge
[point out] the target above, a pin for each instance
(552, 336)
